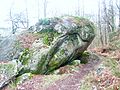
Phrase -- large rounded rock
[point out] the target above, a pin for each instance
(8, 70)
(61, 41)
(49, 44)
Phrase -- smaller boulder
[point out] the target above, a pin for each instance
(8, 70)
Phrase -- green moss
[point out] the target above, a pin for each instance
(22, 78)
(52, 66)
(62, 52)
(48, 37)
(84, 57)
(75, 62)
(9, 68)
(85, 54)
(41, 67)
(55, 64)
(19, 80)
(25, 56)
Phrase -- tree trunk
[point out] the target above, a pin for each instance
(45, 8)
(26, 9)
(118, 6)
(99, 24)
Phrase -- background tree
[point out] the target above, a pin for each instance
(99, 23)
(27, 18)
(118, 7)
(106, 20)
(45, 8)
(19, 20)
(77, 12)
(38, 3)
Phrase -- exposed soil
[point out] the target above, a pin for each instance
(71, 81)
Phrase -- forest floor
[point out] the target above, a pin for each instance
(103, 74)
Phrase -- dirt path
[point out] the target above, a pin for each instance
(73, 82)
(70, 82)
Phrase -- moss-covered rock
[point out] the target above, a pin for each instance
(60, 41)
(49, 44)
(7, 71)
(22, 78)
(63, 39)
